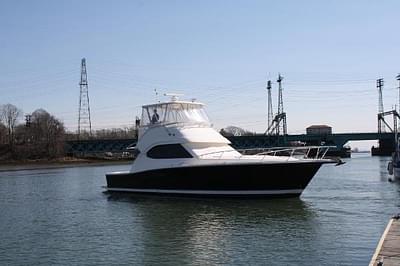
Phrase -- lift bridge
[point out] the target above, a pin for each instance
(275, 136)
(93, 147)
(386, 140)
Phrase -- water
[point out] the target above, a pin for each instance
(62, 217)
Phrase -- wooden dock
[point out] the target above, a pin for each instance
(388, 250)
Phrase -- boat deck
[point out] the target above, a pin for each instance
(388, 250)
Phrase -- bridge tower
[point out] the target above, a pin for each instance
(84, 122)
(282, 121)
(379, 85)
(278, 125)
(270, 112)
(398, 79)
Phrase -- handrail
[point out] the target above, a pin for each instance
(321, 152)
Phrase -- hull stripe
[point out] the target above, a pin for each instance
(209, 192)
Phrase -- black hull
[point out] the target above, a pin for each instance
(240, 180)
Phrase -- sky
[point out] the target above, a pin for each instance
(330, 54)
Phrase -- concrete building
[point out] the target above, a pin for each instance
(319, 130)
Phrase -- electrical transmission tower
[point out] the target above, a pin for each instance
(84, 122)
(278, 124)
(270, 112)
(379, 85)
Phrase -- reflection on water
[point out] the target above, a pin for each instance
(383, 167)
(62, 217)
(209, 230)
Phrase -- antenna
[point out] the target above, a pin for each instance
(155, 91)
(174, 96)
(84, 122)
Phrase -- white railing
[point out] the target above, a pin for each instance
(304, 152)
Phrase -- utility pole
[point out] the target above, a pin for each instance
(28, 120)
(84, 122)
(282, 126)
(270, 112)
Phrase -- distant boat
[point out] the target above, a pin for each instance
(178, 152)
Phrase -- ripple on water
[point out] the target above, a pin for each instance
(62, 217)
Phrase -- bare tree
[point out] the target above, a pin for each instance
(3, 133)
(47, 133)
(9, 115)
(235, 131)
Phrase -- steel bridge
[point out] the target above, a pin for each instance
(98, 146)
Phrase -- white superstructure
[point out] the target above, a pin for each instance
(187, 124)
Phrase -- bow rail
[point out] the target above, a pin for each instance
(304, 152)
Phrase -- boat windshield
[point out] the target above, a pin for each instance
(174, 112)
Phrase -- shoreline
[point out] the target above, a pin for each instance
(10, 165)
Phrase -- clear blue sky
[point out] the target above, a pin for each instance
(220, 52)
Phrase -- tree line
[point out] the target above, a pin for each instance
(41, 135)
(105, 133)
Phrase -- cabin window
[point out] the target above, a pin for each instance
(168, 151)
(173, 113)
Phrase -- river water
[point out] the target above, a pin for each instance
(62, 217)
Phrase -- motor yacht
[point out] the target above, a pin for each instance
(178, 152)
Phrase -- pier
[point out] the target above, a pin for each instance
(387, 252)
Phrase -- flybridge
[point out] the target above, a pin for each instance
(174, 111)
